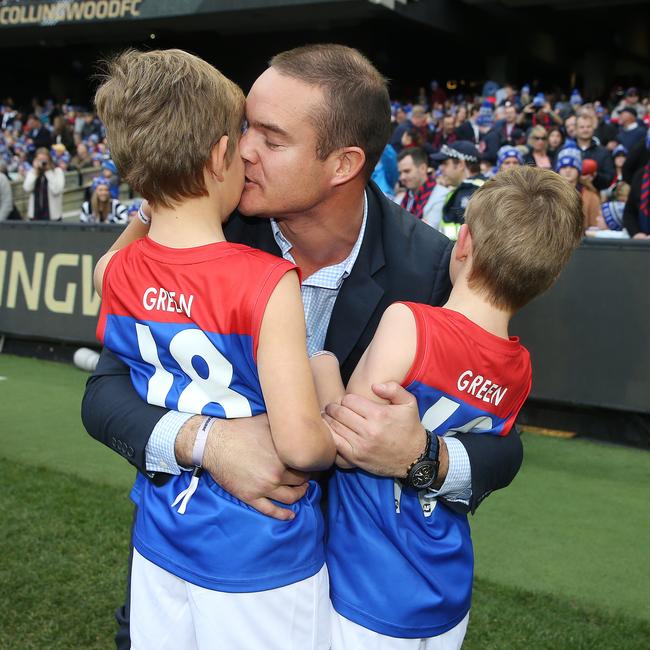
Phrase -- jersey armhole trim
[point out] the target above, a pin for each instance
(421, 337)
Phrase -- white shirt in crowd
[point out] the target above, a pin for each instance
(55, 185)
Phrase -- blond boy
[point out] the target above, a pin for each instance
(400, 562)
(208, 327)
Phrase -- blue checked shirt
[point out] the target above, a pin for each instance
(319, 293)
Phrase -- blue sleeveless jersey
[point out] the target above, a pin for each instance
(187, 321)
(400, 562)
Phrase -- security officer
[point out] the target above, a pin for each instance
(459, 164)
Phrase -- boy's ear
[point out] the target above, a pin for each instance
(464, 244)
(347, 164)
(218, 158)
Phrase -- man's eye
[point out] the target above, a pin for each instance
(272, 145)
(244, 126)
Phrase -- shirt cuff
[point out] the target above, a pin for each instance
(458, 483)
(160, 453)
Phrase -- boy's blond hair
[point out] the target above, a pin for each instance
(524, 222)
(164, 111)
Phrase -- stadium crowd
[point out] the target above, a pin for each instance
(442, 149)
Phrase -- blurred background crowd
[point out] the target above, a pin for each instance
(444, 146)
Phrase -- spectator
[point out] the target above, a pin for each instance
(619, 156)
(385, 173)
(540, 113)
(62, 134)
(413, 175)
(590, 149)
(509, 133)
(460, 167)
(418, 122)
(39, 135)
(7, 209)
(538, 148)
(613, 211)
(569, 165)
(555, 142)
(469, 130)
(102, 208)
(630, 130)
(606, 131)
(92, 127)
(636, 216)
(570, 127)
(630, 100)
(44, 183)
(446, 134)
(507, 157)
(82, 159)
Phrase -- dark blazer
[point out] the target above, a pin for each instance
(400, 258)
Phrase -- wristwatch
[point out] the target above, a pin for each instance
(422, 474)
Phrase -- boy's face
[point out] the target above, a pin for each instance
(570, 173)
(234, 181)
(283, 173)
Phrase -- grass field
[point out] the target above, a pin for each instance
(562, 556)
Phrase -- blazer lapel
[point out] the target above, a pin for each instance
(360, 293)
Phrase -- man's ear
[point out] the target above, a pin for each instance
(348, 163)
(217, 164)
(464, 245)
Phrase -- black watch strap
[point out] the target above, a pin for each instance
(422, 474)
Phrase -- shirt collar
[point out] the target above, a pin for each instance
(329, 277)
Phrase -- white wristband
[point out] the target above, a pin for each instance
(199, 444)
(143, 217)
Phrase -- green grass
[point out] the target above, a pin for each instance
(561, 555)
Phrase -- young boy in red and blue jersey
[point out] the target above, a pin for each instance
(214, 328)
(400, 562)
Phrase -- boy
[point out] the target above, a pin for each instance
(214, 328)
(387, 539)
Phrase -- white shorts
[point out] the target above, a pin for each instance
(168, 613)
(347, 635)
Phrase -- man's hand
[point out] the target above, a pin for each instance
(383, 439)
(240, 456)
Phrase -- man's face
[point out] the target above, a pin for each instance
(283, 174)
(411, 176)
(452, 170)
(510, 114)
(570, 126)
(82, 150)
(418, 118)
(584, 128)
(625, 118)
(448, 125)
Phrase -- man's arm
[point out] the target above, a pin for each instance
(239, 454)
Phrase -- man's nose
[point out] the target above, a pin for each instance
(246, 149)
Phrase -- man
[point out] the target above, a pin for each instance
(592, 150)
(461, 169)
(41, 137)
(358, 253)
(570, 127)
(83, 159)
(446, 134)
(418, 121)
(413, 166)
(630, 100)
(470, 130)
(630, 130)
(508, 129)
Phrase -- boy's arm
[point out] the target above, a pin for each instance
(327, 378)
(386, 361)
(301, 437)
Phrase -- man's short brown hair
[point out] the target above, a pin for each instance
(356, 112)
(524, 222)
(164, 111)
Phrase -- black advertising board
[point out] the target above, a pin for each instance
(588, 335)
(46, 279)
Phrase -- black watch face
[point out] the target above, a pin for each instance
(423, 475)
